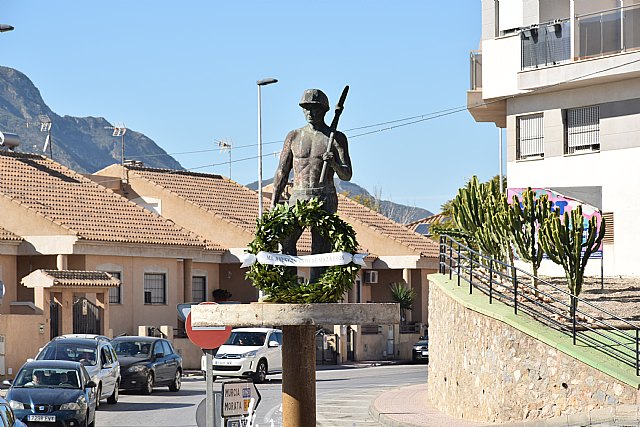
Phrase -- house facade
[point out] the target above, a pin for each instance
(563, 78)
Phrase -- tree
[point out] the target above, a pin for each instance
(563, 240)
(526, 216)
(403, 295)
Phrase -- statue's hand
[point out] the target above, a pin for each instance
(328, 157)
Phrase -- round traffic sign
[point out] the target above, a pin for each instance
(207, 338)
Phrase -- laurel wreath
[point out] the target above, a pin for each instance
(281, 284)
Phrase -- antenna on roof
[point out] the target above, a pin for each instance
(118, 131)
(225, 146)
(45, 126)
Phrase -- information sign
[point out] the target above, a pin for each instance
(239, 398)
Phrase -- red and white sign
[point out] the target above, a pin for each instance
(207, 338)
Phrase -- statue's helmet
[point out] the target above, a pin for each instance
(315, 96)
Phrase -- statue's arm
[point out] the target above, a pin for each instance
(341, 162)
(284, 167)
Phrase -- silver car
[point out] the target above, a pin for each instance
(96, 354)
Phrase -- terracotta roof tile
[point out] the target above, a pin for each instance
(7, 235)
(351, 210)
(81, 278)
(82, 206)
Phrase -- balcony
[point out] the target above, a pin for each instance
(608, 32)
(546, 44)
(481, 110)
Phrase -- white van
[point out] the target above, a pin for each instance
(249, 352)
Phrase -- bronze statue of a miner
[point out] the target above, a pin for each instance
(315, 152)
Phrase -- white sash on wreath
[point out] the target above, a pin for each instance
(316, 260)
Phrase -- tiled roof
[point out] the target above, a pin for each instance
(81, 278)
(80, 205)
(7, 235)
(422, 226)
(214, 193)
(351, 210)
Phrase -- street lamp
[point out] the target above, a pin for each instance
(261, 83)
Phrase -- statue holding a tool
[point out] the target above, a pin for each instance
(315, 153)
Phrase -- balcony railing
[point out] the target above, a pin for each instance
(546, 44)
(607, 32)
(475, 63)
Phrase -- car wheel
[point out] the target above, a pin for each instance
(147, 388)
(261, 372)
(113, 399)
(98, 396)
(177, 381)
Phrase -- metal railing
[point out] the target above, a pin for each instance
(609, 31)
(475, 69)
(546, 44)
(591, 326)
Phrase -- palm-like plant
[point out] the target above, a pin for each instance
(403, 295)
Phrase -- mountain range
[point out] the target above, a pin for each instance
(88, 144)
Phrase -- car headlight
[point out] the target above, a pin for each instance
(16, 405)
(71, 406)
(136, 368)
(250, 353)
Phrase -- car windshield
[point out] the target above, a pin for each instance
(56, 350)
(422, 343)
(132, 348)
(47, 377)
(253, 339)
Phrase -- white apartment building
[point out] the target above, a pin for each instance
(563, 78)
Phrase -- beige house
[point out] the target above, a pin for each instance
(224, 211)
(56, 219)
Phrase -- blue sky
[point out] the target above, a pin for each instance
(184, 73)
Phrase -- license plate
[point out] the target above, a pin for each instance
(222, 362)
(42, 418)
(425, 353)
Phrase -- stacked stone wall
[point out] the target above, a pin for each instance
(482, 369)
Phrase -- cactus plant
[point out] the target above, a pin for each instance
(526, 216)
(563, 241)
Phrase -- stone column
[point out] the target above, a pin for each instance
(61, 262)
(299, 376)
(67, 311)
(102, 301)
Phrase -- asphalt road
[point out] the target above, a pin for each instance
(343, 396)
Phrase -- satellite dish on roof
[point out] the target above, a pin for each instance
(9, 140)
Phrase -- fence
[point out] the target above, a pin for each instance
(542, 301)
(609, 31)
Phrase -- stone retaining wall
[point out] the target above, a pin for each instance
(482, 369)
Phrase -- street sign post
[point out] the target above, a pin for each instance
(207, 338)
(239, 402)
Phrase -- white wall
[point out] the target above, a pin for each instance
(500, 66)
(618, 172)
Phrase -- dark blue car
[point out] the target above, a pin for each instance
(53, 393)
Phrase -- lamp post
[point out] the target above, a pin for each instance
(260, 83)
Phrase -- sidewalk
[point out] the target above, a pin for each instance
(410, 407)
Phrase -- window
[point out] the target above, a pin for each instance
(155, 290)
(198, 288)
(167, 348)
(530, 136)
(582, 129)
(115, 294)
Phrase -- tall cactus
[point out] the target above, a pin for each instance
(480, 210)
(526, 216)
(563, 241)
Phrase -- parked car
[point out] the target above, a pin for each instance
(53, 392)
(96, 354)
(248, 352)
(421, 350)
(147, 362)
(7, 417)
